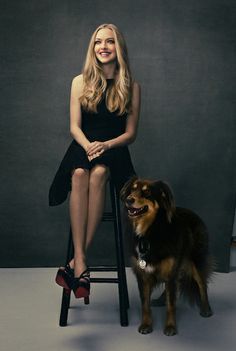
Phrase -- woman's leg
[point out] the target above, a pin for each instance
(86, 209)
(97, 191)
(78, 217)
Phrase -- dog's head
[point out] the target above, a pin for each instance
(144, 198)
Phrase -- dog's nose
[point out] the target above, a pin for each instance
(130, 200)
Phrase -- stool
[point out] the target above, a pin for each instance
(115, 217)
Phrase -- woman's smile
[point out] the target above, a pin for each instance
(105, 53)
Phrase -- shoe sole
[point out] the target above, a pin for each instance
(81, 293)
(60, 280)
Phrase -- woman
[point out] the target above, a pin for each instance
(104, 111)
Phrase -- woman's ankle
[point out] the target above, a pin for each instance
(72, 263)
(79, 267)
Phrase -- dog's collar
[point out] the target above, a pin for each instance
(143, 246)
(144, 249)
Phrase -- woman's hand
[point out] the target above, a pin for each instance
(95, 149)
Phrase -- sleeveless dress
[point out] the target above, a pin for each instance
(100, 126)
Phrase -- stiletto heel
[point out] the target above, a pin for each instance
(81, 286)
(65, 277)
(86, 300)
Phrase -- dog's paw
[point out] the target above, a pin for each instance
(170, 330)
(145, 329)
(206, 313)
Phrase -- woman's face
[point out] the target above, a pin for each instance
(104, 46)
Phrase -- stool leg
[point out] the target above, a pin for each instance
(65, 305)
(122, 285)
(86, 300)
(66, 295)
(121, 250)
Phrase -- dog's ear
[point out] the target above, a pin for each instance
(165, 198)
(125, 191)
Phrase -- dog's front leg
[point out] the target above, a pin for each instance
(170, 325)
(145, 289)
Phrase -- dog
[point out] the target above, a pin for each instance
(170, 246)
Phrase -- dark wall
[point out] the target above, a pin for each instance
(183, 55)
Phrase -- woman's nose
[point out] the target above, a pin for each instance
(104, 45)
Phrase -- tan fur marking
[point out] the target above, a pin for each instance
(142, 223)
(171, 311)
(199, 282)
(166, 267)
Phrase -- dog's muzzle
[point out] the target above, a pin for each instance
(134, 212)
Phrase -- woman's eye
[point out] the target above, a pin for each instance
(111, 41)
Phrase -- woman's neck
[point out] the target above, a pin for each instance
(109, 70)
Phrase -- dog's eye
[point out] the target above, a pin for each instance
(146, 193)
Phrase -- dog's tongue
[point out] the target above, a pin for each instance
(132, 209)
(135, 211)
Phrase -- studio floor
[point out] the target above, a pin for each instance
(30, 305)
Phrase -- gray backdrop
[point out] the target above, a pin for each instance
(183, 55)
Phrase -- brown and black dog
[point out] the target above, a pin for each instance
(170, 246)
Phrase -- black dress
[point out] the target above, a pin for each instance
(100, 126)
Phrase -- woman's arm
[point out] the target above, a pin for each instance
(97, 148)
(75, 112)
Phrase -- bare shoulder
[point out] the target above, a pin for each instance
(78, 80)
(77, 84)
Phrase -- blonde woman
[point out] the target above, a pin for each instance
(104, 111)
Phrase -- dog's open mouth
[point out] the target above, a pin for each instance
(133, 211)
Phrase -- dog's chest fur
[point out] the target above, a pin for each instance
(161, 267)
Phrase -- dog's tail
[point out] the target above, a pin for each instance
(190, 284)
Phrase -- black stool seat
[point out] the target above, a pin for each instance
(115, 217)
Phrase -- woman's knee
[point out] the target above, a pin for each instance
(99, 175)
(79, 176)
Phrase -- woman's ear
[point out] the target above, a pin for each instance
(125, 191)
(165, 198)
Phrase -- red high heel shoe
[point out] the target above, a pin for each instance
(65, 277)
(81, 285)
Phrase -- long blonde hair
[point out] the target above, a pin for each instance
(118, 94)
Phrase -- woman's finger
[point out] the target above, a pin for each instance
(97, 154)
(91, 146)
(94, 149)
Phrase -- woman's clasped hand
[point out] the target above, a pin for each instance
(95, 149)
